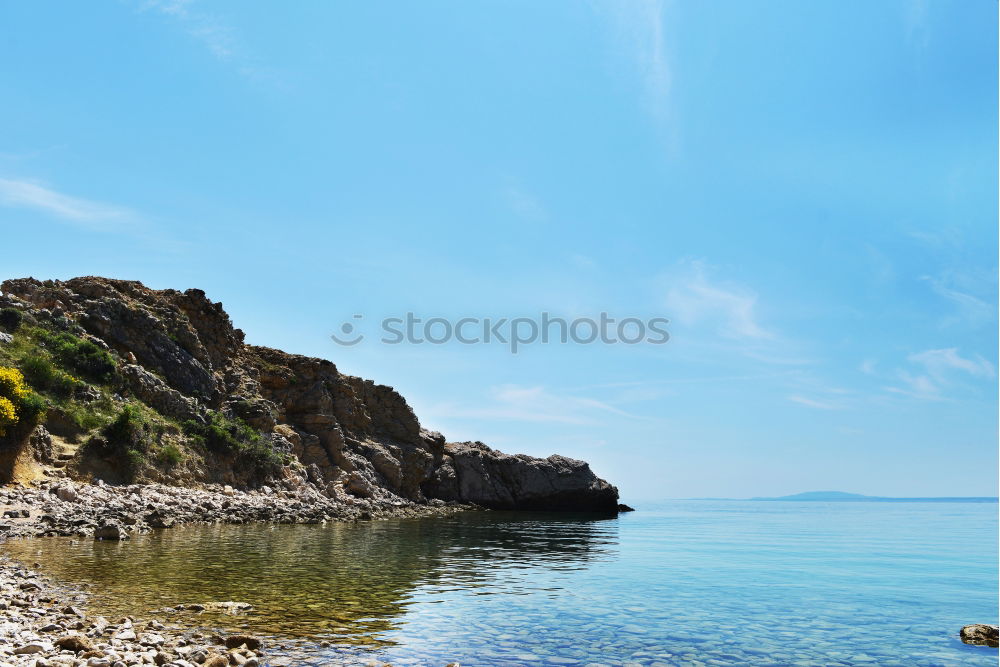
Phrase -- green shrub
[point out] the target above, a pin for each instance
(42, 373)
(81, 356)
(126, 438)
(10, 318)
(32, 408)
(134, 459)
(220, 434)
(127, 425)
(233, 437)
(38, 370)
(169, 455)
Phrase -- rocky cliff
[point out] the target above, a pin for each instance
(157, 385)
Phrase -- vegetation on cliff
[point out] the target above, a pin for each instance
(53, 367)
(20, 408)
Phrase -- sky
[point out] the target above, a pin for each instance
(807, 191)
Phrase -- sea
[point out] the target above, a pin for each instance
(684, 582)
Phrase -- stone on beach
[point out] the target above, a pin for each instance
(75, 643)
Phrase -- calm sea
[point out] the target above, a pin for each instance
(678, 583)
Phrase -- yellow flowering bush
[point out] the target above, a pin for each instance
(8, 414)
(12, 385)
(17, 402)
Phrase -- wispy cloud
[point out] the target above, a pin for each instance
(82, 212)
(694, 299)
(939, 370)
(534, 404)
(639, 30)
(813, 403)
(916, 21)
(216, 34)
(941, 363)
(916, 386)
(219, 38)
(972, 310)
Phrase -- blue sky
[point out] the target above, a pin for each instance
(807, 190)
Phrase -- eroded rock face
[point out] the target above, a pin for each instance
(155, 393)
(180, 354)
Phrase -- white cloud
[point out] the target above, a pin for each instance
(731, 309)
(941, 369)
(84, 212)
(917, 386)
(940, 363)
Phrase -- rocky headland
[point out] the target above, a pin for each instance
(125, 410)
(139, 385)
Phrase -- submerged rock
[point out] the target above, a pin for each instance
(237, 641)
(110, 531)
(45, 607)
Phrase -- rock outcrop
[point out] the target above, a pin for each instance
(179, 354)
(472, 472)
(981, 635)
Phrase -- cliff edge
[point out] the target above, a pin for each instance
(140, 385)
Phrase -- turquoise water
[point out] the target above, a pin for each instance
(681, 583)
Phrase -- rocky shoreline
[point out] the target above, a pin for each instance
(64, 509)
(47, 623)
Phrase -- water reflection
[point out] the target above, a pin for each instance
(347, 583)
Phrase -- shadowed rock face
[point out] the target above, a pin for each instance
(179, 353)
(472, 472)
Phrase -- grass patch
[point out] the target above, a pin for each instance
(85, 417)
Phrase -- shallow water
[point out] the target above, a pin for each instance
(685, 582)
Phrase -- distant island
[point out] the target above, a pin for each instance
(843, 497)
